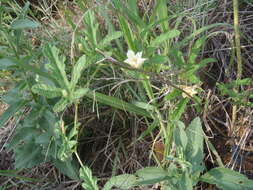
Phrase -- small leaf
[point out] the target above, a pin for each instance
(110, 37)
(227, 179)
(46, 90)
(80, 93)
(56, 65)
(179, 110)
(24, 24)
(60, 105)
(77, 70)
(90, 182)
(124, 181)
(164, 37)
(180, 136)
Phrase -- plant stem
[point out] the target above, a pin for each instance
(239, 58)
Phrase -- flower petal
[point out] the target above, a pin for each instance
(130, 54)
(139, 54)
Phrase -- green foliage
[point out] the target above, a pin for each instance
(227, 179)
(90, 183)
(52, 81)
(185, 168)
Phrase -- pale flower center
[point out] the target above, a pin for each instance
(134, 60)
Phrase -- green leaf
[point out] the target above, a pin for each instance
(110, 37)
(151, 175)
(69, 168)
(90, 182)
(47, 91)
(162, 13)
(164, 37)
(185, 182)
(28, 155)
(158, 59)
(117, 103)
(145, 106)
(196, 49)
(127, 33)
(56, 66)
(124, 181)
(180, 137)
(60, 105)
(194, 148)
(77, 70)
(14, 108)
(14, 174)
(5, 63)
(179, 110)
(24, 24)
(227, 179)
(80, 93)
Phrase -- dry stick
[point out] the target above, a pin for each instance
(239, 58)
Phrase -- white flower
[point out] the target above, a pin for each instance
(191, 90)
(134, 60)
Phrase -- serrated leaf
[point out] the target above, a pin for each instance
(24, 24)
(124, 181)
(227, 179)
(110, 37)
(164, 37)
(90, 182)
(57, 65)
(179, 110)
(80, 93)
(77, 70)
(46, 90)
(60, 105)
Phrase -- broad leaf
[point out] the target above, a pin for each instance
(180, 137)
(5, 63)
(124, 181)
(227, 179)
(24, 24)
(151, 175)
(194, 149)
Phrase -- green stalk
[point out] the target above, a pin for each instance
(238, 55)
